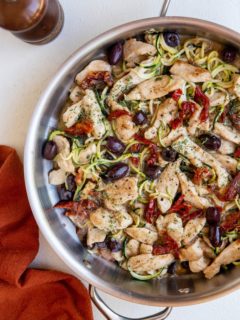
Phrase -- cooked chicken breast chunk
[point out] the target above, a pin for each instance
(199, 265)
(119, 192)
(227, 147)
(173, 135)
(189, 72)
(236, 85)
(228, 255)
(93, 66)
(192, 252)
(143, 235)
(172, 224)
(155, 88)
(134, 51)
(132, 248)
(227, 162)
(147, 262)
(167, 111)
(228, 133)
(95, 235)
(192, 229)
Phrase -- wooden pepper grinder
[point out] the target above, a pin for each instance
(33, 21)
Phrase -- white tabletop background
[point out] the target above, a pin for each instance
(25, 71)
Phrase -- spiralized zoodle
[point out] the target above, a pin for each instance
(146, 157)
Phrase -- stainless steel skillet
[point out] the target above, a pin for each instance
(60, 233)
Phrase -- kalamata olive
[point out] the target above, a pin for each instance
(113, 245)
(171, 38)
(215, 235)
(152, 171)
(116, 172)
(210, 141)
(213, 215)
(140, 118)
(169, 154)
(185, 264)
(115, 145)
(50, 150)
(172, 268)
(64, 194)
(115, 53)
(71, 183)
(229, 54)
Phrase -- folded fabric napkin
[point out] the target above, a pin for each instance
(30, 294)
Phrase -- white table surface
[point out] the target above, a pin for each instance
(25, 71)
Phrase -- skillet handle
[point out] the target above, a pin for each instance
(109, 314)
(164, 8)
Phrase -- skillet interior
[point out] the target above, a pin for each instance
(59, 231)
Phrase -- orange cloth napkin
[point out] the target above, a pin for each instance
(30, 294)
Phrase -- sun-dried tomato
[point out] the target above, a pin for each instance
(237, 153)
(142, 140)
(200, 174)
(118, 113)
(174, 124)
(97, 79)
(80, 128)
(180, 206)
(82, 207)
(135, 148)
(166, 245)
(187, 109)
(203, 100)
(231, 222)
(135, 161)
(233, 188)
(177, 94)
(153, 156)
(151, 211)
(189, 216)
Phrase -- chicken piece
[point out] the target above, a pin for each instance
(228, 133)
(89, 186)
(236, 85)
(197, 156)
(167, 111)
(118, 193)
(134, 51)
(125, 128)
(72, 114)
(230, 254)
(216, 99)
(192, 229)
(127, 82)
(155, 88)
(190, 192)
(227, 162)
(93, 113)
(85, 154)
(147, 262)
(63, 145)
(173, 135)
(194, 121)
(57, 177)
(118, 256)
(172, 224)
(167, 186)
(199, 265)
(62, 159)
(145, 248)
(192, 252)
(132, 248)
(189, 72)
(95, 235)
(93, 66)
(143, 235)
(227, 147)
(110, 221)
(75, 94)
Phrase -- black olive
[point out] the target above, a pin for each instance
(115, 53)
(215, 235)
(64, 194)
(71, 183)
(210, 141)
(229, 54)
(169, 154)
(113, 245)
(152, 171)
(115, 145)
(213, 215)
(140, 118)
(172, 268)
(171, 38)
(185, 264)
(50, 150)
(116, 172)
